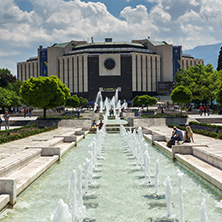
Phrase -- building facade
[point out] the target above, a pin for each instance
(135, 68)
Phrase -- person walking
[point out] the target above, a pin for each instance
(201, 110)
(30, 112)
(0, 122)
(6, 117)
(24, 111)
(205, 110)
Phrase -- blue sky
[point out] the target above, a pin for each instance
(26, 24)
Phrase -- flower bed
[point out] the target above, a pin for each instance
(19, 133)
(203, 129)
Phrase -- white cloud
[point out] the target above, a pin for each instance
(183, 22)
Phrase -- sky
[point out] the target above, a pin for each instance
(26, 24)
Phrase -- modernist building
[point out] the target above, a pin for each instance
(135, 68)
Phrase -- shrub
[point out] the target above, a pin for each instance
(22, 132)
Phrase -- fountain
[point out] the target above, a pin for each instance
(156, 177)
(180, 178)
(203, 216)
(119, 194)
(168, 194)
(107, 104)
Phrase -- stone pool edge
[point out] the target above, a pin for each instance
(10, 188)
(184, 154)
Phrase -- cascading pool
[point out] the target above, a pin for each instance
(120, 193)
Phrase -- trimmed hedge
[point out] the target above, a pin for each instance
(202, 129)
(22, 132)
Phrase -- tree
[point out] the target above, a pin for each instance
(8, 98)
(6, 77)
(135, 101)
(146, 100)
(181, 95)
(15, 87)
(72, 101)
(219, 95)
(201, 80)
(44, 92)
(219, 63)
(4, 98)
(82, 101)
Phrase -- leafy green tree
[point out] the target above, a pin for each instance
(6, 77)
(146, 100)
(152, 100)
(219, 95)
(4, 98)
(44, 92)
(181, 95)
(72, 101)
(135, 101)
(219, 63)
(143, 100)
(15, 99)
(82, 101)
(15, 87)
(201, 80)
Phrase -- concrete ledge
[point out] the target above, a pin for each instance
(67, 147)
(205, 170)
(8, 186)
(147, 131)
(68, 139)
(181, 149)
(157, 137)
(208, 156)
(17, 161)
(54, 141)
(49, 151)
(28, 174)
(4, 200)
(85, 128)
(162, 146)
(79, 133)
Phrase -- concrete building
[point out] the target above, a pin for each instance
(135, 68)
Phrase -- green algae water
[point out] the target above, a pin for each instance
(119, 194)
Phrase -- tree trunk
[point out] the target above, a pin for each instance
(44, 110)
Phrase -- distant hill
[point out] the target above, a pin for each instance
(207, 52)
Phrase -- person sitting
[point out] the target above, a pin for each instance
(177, 135)
(93, 127)
(188, 135)
(111, 112)
(100, 124)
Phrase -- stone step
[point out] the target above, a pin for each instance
(26, 175)
(209, 156)
(18, 161)
(203, 169)
(13, 184)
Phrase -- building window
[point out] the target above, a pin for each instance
(59, 68)
(83, 73)
(136, 75)
(151, 69)
(68, 70)
(77, 73)
(156, 72)
(141, 58)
